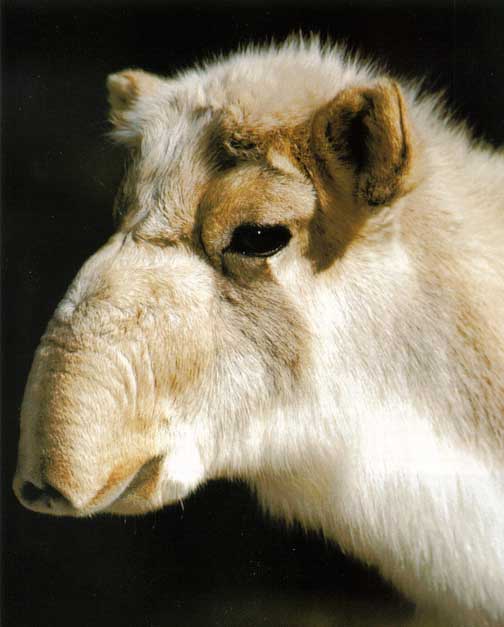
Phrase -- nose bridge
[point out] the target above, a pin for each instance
(84, 382)
(90, 277)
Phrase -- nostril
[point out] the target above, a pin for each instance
(31, 493)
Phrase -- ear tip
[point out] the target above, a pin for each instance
(128, 85)
(126, 91)
(393, 89)
(122, 88)
(116, 79)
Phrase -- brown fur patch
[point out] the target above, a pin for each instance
(271, 326)
(480, 378)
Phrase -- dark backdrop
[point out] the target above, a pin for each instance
(216, 562)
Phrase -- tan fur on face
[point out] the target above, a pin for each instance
(251, 194)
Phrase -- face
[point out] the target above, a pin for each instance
(182, 337)
(172, 336)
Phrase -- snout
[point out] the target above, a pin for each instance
(97, 430)
(86, 418)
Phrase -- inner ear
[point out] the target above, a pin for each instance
(362, 140)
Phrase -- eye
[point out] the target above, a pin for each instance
(257, 240)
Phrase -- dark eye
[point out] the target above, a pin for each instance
(256, 240)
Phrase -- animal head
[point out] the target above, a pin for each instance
(257, 282)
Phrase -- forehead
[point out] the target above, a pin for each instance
(252, 100)
(169, 167)
(182, 174)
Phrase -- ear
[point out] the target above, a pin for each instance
(362, 141)
(126, 90)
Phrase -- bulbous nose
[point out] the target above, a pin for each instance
(46, 499)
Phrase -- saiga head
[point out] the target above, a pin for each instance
(207, 335)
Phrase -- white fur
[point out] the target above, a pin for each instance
(366, 445)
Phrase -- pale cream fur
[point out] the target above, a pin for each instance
(355, 378)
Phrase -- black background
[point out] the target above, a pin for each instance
(218, 561)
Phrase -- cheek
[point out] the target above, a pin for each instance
(181, 364)
(268, 326)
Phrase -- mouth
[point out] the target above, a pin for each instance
(106, 497)
(138, 493)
